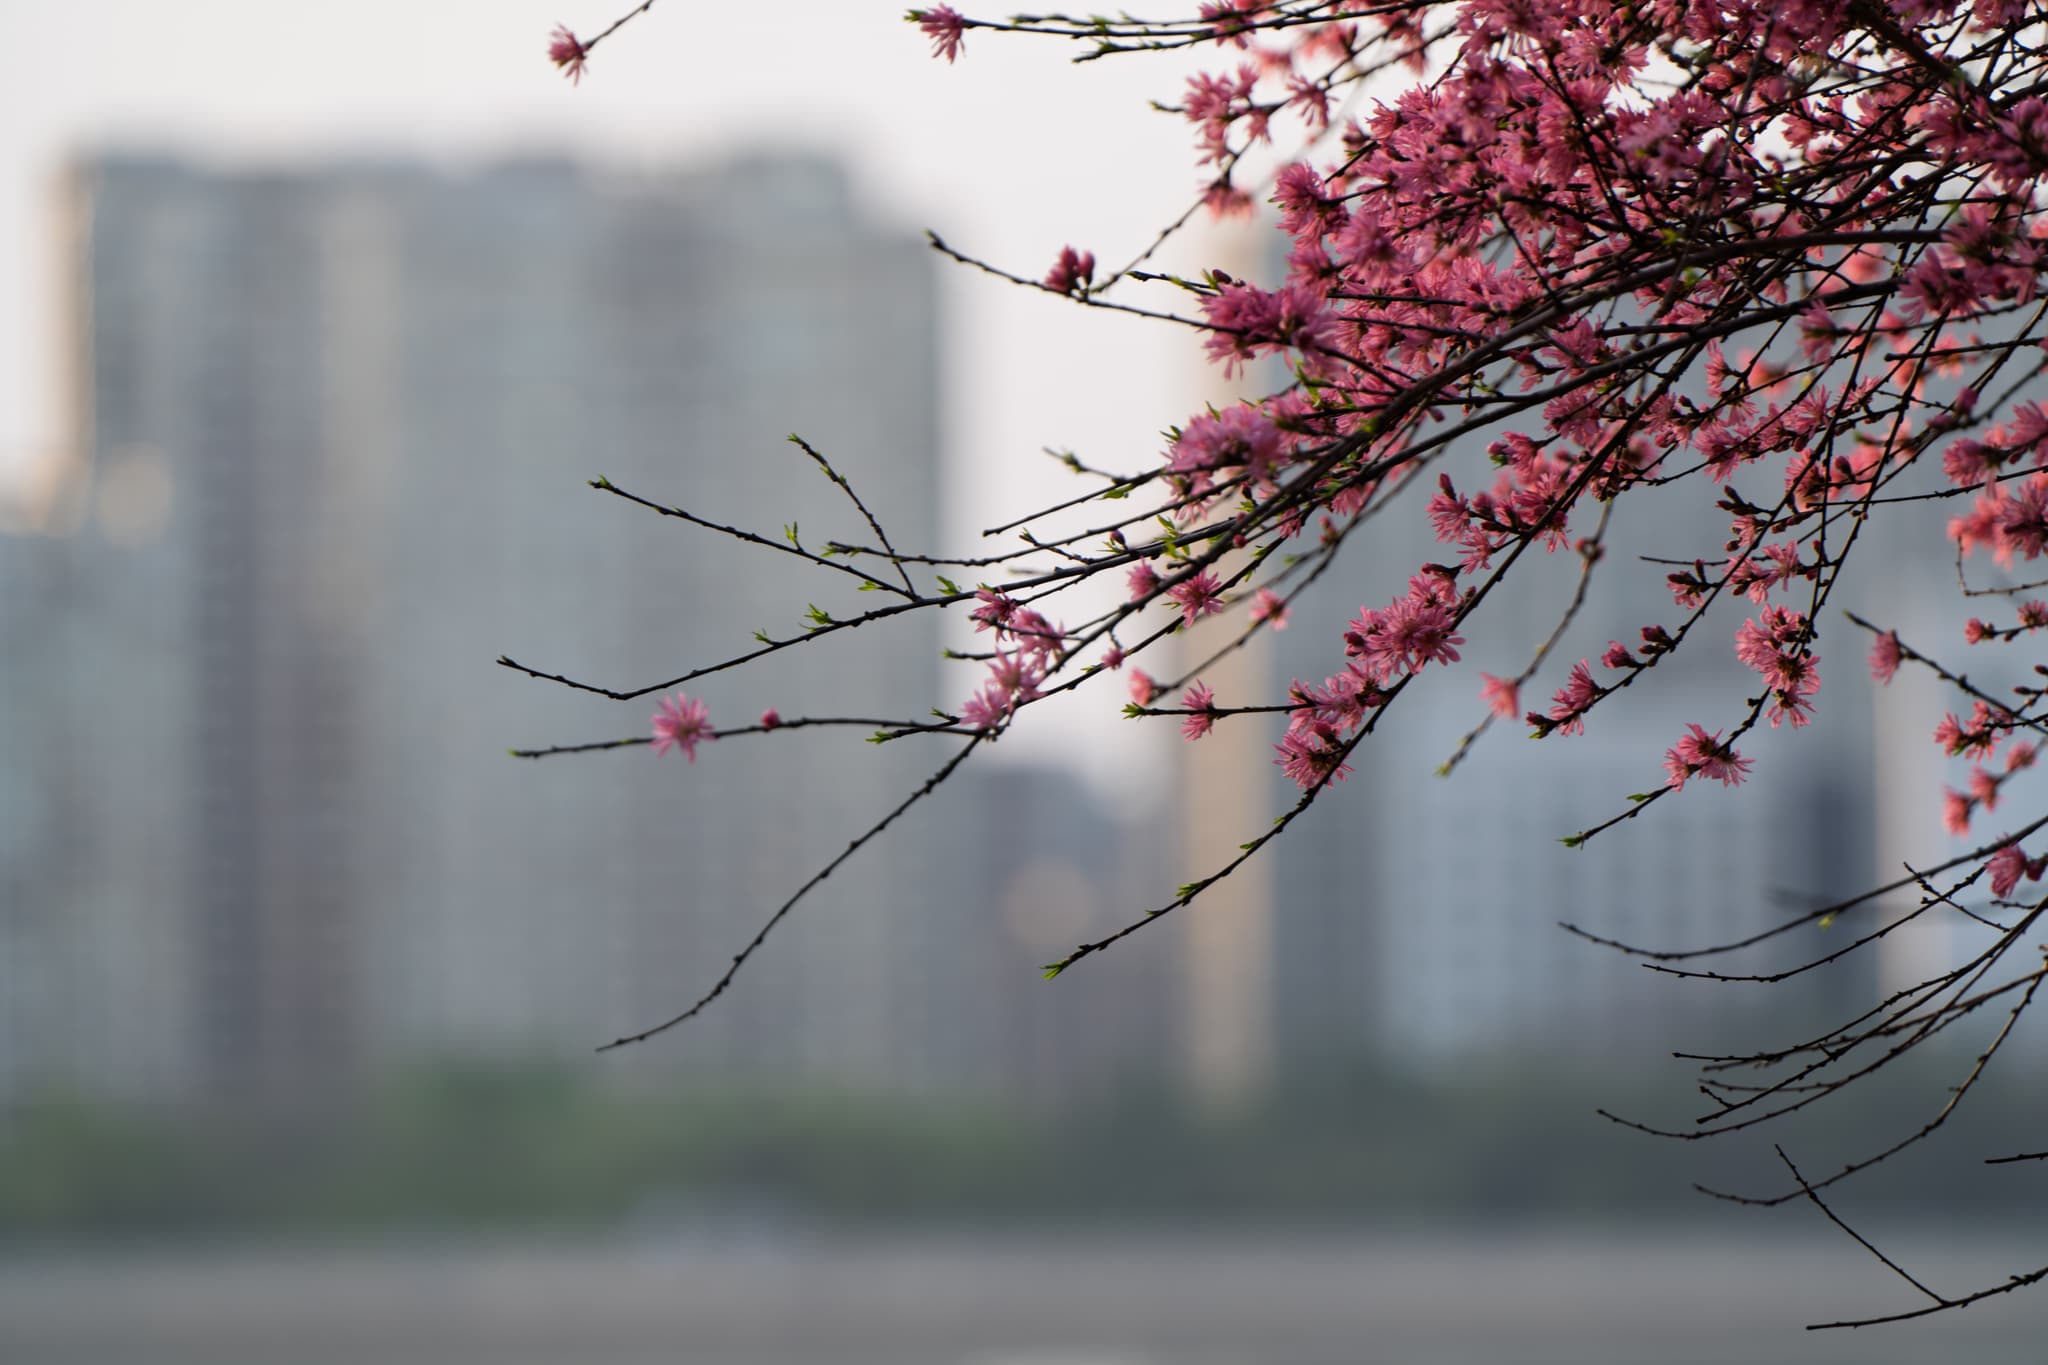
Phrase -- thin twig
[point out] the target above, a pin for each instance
(1861, 1240)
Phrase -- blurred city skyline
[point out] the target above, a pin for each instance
(334, 419)
(466, 83)
(320, 316)
(334, 411)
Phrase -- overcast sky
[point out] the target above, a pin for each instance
(1011, 153)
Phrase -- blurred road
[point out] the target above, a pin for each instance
(1574, 1298)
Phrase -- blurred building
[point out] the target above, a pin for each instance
(1033, 855)
(1419, 914)
(335, 432)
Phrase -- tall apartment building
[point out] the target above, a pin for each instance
(335, 429)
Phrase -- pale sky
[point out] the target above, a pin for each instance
(1009, 154)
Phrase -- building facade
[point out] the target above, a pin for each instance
(335, 431)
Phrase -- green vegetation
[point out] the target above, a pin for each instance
(470, 1147)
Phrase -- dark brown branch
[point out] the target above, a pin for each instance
(1861, 1240)
(769, 925)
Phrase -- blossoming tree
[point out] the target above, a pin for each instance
(1548, 256)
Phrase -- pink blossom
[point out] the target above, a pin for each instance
(1213, 103)
(1975, 631)
(1305, 201)
(1975, 739)
(1409, 632)
(568, 53)
(1201, 703)
(1225, 200)
(1034, 635)
(988, 708)
(1569, 706)
(1341, 701)
(771, 719)
(1970, 463)
(1231, 29)
(1267, 606)
(1198, 596)
(1311, 752)
(1113, 657)
(682, 723)
(1774, 644)
(1142, 581)
(1699, 754)
(1501, 696)
(944, 26)
(1249, 322)
(1884, 656)
(1242, 437)
(1072, 272)
(1017, 673)
(1760, 641)
(2022, 521)
(1955, 811)
(1758, 575)
(1013, 678)
(995, 610)
(1420, 633)
(1984, 787)
(1143, 689)
(2008, 865)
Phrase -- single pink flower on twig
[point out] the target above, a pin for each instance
(1501, 695)
(1268, 606)
(1201, 705)
(568, 52)
(944, 26)
(2007, 866)
(682, 724)
(1197, 597)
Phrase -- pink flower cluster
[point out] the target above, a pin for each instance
(1700, 754)
(1240, 442)
(1215, 103)
(1550, 242)
(1528, 500)
(1383, 645)
(2008, 865)
(1775, 645)
(1313, 749)
(1957, 808)
(1027, 648)
(1247, 322)
(1201, 705)
(1072, 272)
(2009, 519)
(1412, 631)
